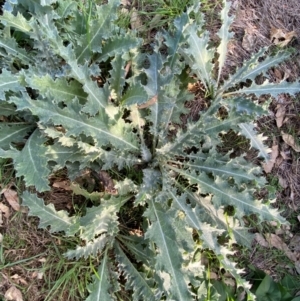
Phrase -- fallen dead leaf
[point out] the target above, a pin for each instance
(295, 243)
(38, 275)
(125, 2)
(213, 276)
(297, 266)
(127, 69)
(249, 39)
(285, 155)
(292, 198)
(290, 140)
(148, 103)
(5, 210)
(192, 87)
(278, 161)
(241, 296)
(280, 38)
(278, 74)
(43, 260)
(280, 114)
(135, 21)
(283, 182)
(261, 240)
(270, 164)
(18, 279)
(276, 242)
(229, 281)
(292, 205)
(34, 274)
(273, 223)
(63, 184)
(279, 231)
(13, 294)
(12, 198)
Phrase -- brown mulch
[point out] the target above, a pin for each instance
(252, 27)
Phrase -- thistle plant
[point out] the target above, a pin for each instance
(79, 94)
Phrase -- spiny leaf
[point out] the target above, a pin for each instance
(150, 185)
(218, 218)
(269, 88)
(117, 77)
(99, 220)
(102, 219)
(135, 280)
(93, 196)
(58, 220)
(254, 67)
(180, 203)
(91, 248)
(169, 259)
(154, 78)
(31, 162)
(67, 8)
(256, 140)
(223, 194)
(76, 123)
(61, 154)
(237, 169)
(13, 132)
(224, 35)
(209, 235)
(135, 94)
(18, 21)
(137, 246)
(101, 285)
(158, 85)
(101, 28)
(7, 109)
(12, 48)
(174, 40)
(199, 208)
(59, 89)
(118, 45)
(244, 105)
(201, 57)
(97, 97)
(9, 82)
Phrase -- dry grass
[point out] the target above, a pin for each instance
(32, 259)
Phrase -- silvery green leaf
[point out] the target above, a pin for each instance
(31, 163)
(224, 35)
(18, 22)
(13, 132)
(49, 216)
(168, 259)
(101, 286)
(9, 82)
(254, 67)
(137, 281)
(99, 29)
(257, 141)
